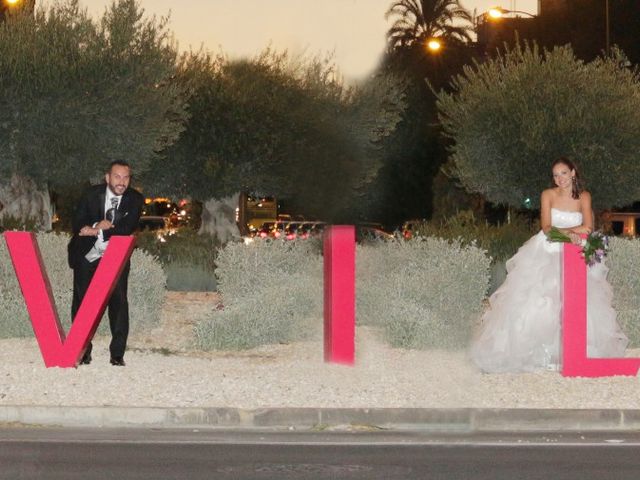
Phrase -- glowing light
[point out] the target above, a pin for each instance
(434, 45)
(12, 2)
(496, 12)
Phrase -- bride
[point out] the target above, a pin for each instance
(521, 330)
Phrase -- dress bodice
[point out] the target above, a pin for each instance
(565, 219)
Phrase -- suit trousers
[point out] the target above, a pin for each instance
(118, 306)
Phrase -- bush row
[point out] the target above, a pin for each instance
(500, 241)
(427, 292)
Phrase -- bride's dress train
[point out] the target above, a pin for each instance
(521, 330)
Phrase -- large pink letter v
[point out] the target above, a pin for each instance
(36, 289)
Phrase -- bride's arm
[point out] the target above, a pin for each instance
(587, 215)
(545, 211)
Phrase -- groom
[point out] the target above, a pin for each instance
(111, 208)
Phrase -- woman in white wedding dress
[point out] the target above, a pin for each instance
(521, 330)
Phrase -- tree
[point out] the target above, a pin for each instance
(510, 117)
(280, 126)
(75, 93)
(415, 151)
(420, 20)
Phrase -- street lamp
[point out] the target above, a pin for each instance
(434, 45)
(607, 39)
(499, 12)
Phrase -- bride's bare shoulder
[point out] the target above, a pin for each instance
(585, 194)
(548, 193)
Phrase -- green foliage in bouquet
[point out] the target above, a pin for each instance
(594, 247)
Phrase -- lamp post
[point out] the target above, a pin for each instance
(607, 38)
(434, 45)
(7, 6)
(499, 12)
(10, 7)
(512, 21)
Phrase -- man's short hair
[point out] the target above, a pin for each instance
(121, 163)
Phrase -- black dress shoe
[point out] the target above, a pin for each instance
(117, 361)
(85, 360)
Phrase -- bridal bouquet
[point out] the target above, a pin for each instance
(594, 247)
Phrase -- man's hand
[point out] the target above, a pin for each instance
(104, 225)
(88, 231)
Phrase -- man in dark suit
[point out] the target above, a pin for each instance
(111, 208)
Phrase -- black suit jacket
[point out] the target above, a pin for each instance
(91, 210)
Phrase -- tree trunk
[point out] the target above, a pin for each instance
(22, 204)
(219, 218)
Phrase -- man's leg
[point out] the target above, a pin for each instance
(82, 276)
(119, 317)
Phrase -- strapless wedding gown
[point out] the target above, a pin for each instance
(521, 330)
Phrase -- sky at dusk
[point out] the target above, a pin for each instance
(353, 30)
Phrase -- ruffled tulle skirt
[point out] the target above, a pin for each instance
(521, 330)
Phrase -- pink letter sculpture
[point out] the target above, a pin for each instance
(575, 362)
(339, 294)
(36, 289)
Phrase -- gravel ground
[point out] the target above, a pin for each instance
(161, 371)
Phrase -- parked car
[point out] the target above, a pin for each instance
(289, 230)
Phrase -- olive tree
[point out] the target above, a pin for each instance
(511, 116)
(279, 125)
(77, 92)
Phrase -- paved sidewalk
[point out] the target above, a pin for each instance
(320, 419)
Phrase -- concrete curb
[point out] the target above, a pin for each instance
(436, 420)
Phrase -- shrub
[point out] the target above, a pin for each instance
(624, 263)
(272, 292)
(146, 289)
(9, 222)
(501, 241)
(426, 292)
(188, 258)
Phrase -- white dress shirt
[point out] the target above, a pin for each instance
(101, 245)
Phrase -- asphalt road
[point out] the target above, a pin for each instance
(57, 453)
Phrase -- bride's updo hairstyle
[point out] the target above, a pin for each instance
(576, 184)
